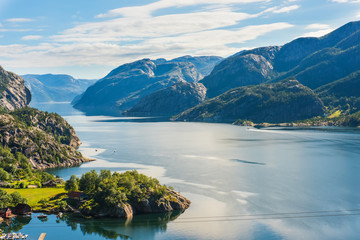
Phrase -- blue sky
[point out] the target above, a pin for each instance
(87, 39)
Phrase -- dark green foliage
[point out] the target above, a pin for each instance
(72, 184)
(284, 101)
(106, 189)
(32, 117)
(89, 182)
(14, 164)
(342, 95)
(10, 200)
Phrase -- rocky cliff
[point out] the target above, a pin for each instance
(169, 101)
(284, 101)
(13, 93)
(46, 139)
(238, 70)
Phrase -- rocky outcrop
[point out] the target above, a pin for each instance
(55, 87)
(126, 85)
(46, 139)
(172, 201)
(204, 64)
(169, 101)
(13, 93)
(239, 70)
(284, 101)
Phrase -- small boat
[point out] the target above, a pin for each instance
(42, 216)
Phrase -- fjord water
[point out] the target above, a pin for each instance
(244, 183)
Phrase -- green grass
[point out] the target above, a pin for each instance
(34, 195)
(335, 114)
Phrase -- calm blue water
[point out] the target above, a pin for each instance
(243, 183)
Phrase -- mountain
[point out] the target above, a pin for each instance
(312, 61)
(55, 87)
(169, 101)
(284, 101)
(13, 93)
(342, 95)
(124, 86)
(248, 68)
(45, 139)
(204, 64)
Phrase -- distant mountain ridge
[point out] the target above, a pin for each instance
(127, 84)
(307, 59)
(55, 87)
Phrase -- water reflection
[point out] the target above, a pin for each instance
(107, 228)
(15, 224)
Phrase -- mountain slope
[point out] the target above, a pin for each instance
(124, 86)
(169, 101)
(284, 101)
(13, 93)
(204, 64)
(55, 88)
(46, 139)
(342, 95)
(312, 61)
(239, 70)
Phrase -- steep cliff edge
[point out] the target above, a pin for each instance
(13, 93)
(45, 139)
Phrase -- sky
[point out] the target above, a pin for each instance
(88, 38)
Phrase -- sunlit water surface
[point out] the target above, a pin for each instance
(244, 183)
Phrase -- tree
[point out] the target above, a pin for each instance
(4, 199)
(4, 176)
(16, 198)
(88, 181)
(72, 184)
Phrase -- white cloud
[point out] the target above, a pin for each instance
(127, 29)
(19, 20)
(319, 33)
(346, 1)
(56, 54)
(317, 26)
(285, 9)
(31, 37)
(319, 30)
(147, 10)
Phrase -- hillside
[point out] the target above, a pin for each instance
(55, 87)
(312, 61)
(284, 101)
(342, 95)
(169, 101)
(13, 93)
(126, 85)
(45, 139)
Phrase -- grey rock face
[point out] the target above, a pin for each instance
(13, 93)
(239, 70)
